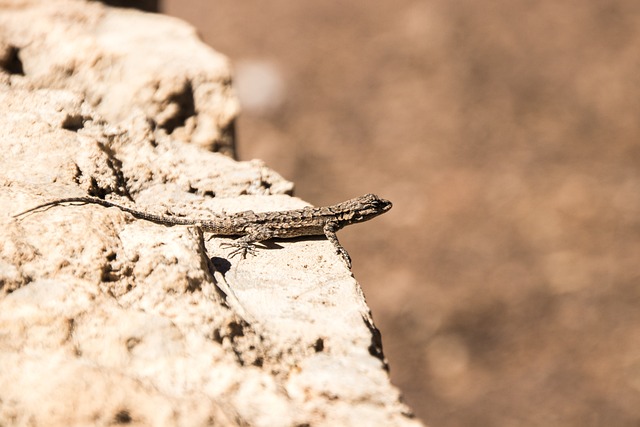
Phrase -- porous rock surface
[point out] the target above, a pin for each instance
(105, 319)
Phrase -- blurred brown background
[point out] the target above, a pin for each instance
(505, 280)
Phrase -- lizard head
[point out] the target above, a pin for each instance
(365, 207)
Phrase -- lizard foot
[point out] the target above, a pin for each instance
(240, 248)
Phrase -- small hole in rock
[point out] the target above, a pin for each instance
(73, 122)
(123, 417)
(186, 108)
(11, 61)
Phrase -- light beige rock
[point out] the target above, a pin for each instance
(121, 64)
(106, 319)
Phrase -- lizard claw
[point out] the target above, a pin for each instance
(240, 248)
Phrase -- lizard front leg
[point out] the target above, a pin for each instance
(330, 229)
(246, 243)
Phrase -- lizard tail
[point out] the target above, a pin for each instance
(163, 219)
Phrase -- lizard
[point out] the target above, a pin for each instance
(254, 227)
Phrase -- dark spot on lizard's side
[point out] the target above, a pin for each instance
(319, 345)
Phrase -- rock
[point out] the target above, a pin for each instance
(106, 319)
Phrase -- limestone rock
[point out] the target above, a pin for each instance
(106, 319)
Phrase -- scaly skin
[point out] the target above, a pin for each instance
(258, 227)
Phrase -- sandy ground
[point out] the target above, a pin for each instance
(507, 134)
